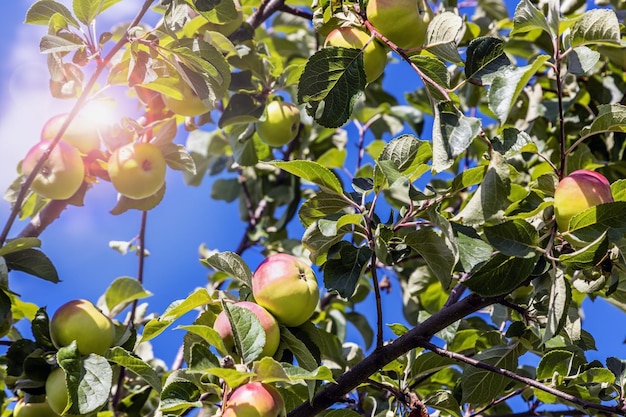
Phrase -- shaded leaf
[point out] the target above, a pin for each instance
(33, 262)
(453, 132)
(344, 267)
(560, 297)
(231, 264)
(500, 275)
(485, 55)
(514, 238)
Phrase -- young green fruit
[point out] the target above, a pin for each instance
(255, 399)
(403, 22)
(272, 331)
(56, 390)
(374, 54)
(577, 192)
(83, 322)
(137, 170)
(280, 123)
(287, 287)
(31, 409)
(190, 105)
(81, 133)
(62, 173)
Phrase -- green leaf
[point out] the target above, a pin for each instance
(500, 275)
(319, 244)
(582, 60)
(40, 327)
(441, 36)
(444, 401)
(560, 297)
(302, 354)
(408, 154)
(313, 172)
(332, 80)
(433, 248)
(610, 118)
(210, 335)
(241, 108)
(485, 55)
(528, 18)
(124, 203)
(436, 70)
(322, 205)
(472, 249)
(297, 373)
(361, 323)
(16, 245)
(42, 11)
(588, 256)
(618, 368)
(122, 292)
(87, 10)
(248, 333)
(430, 362)
(136, 365)
(453, 132)
(513, 238)
(558, 363)
(231, 264)
(344, 267)
(55, 44)
(216, 11)
(179, 393)
(232, 377)
(481, 386)
(597, 26)
(33, 262)
(268, 370)
(604, 218)
(513, 142)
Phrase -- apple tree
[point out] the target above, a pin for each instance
(438, 187)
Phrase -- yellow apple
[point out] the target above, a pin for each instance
(374, 54)
(137, 170)
(81, 132)
(83, 322)
(255, 399)
(287, 287)
(62, 173)
(403, 22)
(32, 409)
(280, 123)
(190, 105)
(577, 192)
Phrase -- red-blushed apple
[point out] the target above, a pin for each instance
(56, 390)
(272, 331)
(287, 287)
(137, 170)
(33, 409)
(374, 54)
(255, 399)
(403, 22)
(81, 133)
(577, 192)
(190, 105)
(82, 321)
(62, 173)
(280, 123)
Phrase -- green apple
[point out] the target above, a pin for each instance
(190, 105)
(287, 287)
(137, 170)
(56, 390)
(61, 175)
(33, 409)
(272, 331)
(374, 54)
(81, 133)
(577, 192)
(255, 399)
(403, 22)
(82, 321)
(280, 123)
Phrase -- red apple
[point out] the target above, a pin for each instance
(374, 54)
(287, 287)
(255, 399)
(137, 170)
(272, 331)
(577, 192)
(82, 321)
(62, 173)
(82, 133)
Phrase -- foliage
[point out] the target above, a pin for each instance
(446, 190)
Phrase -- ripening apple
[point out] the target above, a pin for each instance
(577, 192)
(62, 173)
(374, 54)
(403, 22)
(56, 390)
(272, 331)
(81, 133)
(255, 399)
(280, 123)
(287, 287)
(137, 170)
(82, 321)
(190, 105)
(33, 409)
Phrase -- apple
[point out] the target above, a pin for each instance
(280, 123)
(61, 174)
(32, 409)
(137, 170)
(190, 105)
(81, 133)
(403, 22)
(255, 399)
(82, 321)
(56, 390)
(287, 287)
(374, 54)
(577, 192)
(272, 331)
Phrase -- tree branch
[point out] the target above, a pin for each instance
(44, 218)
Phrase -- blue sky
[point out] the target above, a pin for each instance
(78, 242)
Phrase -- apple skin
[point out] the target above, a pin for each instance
(189, 106)
(280, 124)
(272, 331)
(81, 133)
(374, 54)
(82, 321)
(137, 170)
(255, 399)
(577, 192)
(61, 175)
(287, 287)
(56, 390)
(403, 22)
(41, 409)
